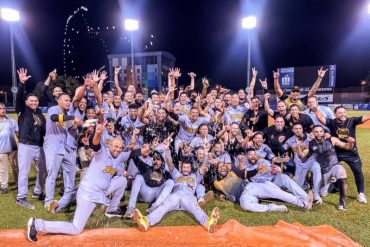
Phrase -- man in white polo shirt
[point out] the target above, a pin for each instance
(8, 149)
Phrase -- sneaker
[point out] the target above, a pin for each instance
(318, 202)
(116, 213)
(206, 199)
(212, 220)
(4, 190)
(40, 196)
(52, 207)
(278, 208)
(309, 200)
(129, 213)
(24, 203)
(361, 198)
(342, 206)
(31, 230)
(141, 220)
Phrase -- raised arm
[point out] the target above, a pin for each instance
(266, 105)
(192, 80)
(278, 90)
(320, 74)
(21, 93)
(252, 84)
(97, 136)
(116, 82)
(320, 116)
(205, 84)
(95, 87)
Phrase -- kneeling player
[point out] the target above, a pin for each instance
(107, 167)
(324, 152)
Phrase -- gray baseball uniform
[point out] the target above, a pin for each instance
(181, 198)
(302, 168)
(60, 150)
(93, 191)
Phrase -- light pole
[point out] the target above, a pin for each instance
(249, 22)
(11, 15)
(132, 25)
(363, 84)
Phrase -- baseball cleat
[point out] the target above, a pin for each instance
(342, 206)
(31, 230)
(318, 202)
(40, 196)
(309, 200)
(25, 203)
(206, 199)
(278, 208)
(129, 213)
(116, 213)
(212, 220)
(361, 198)
(141, 220)
(53, 206)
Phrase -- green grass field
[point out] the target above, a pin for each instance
(355, 222)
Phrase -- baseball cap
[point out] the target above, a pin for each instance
(295, 89)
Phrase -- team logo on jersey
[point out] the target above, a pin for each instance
(156, 176)
(37, 120)
(343, 133)
(109, 169)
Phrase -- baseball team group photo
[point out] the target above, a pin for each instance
(134, 137)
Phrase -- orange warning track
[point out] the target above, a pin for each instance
(230, 234)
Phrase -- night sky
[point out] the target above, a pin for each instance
(204, 35)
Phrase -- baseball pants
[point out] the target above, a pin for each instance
(27, 154)
(355, 163)
(53, 163)
(301, 171)
(83, 211)
(337, 172)
(7, 159)
(178, 200)
(149, 194)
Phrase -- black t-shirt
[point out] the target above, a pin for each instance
(344, 130)
(304, 119)
(272, 138)
(256, 120)
(277, 114)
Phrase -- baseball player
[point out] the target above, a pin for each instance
(8, 149)
(343, 127)
(107, 167)
(301, 140)
(154, 183)
(323, 151)
(60, 146)
(189, 127)
(181, 198)
(31, 138)
(235, 186)
(271, 175)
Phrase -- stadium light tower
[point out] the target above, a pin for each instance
(11, 15)
(132, 25)
(249, 22)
